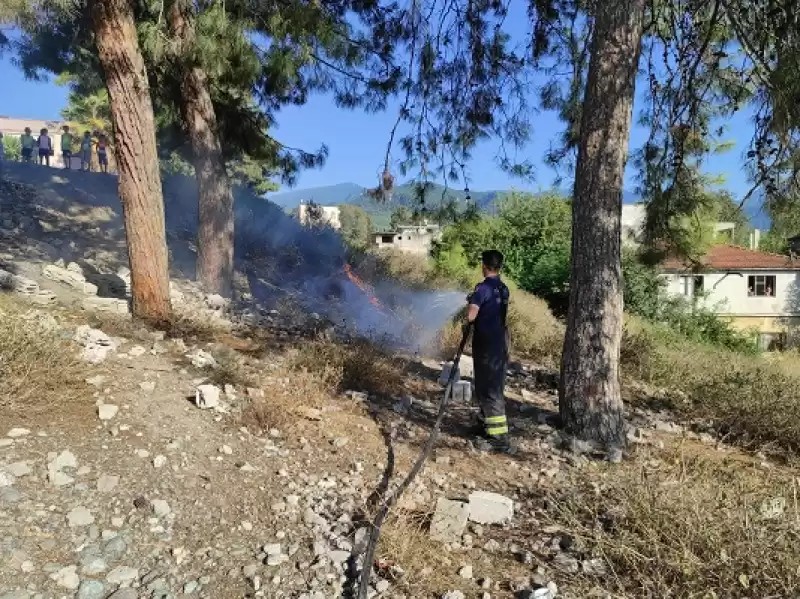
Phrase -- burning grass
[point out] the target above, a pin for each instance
(692, 523)
(38, 368)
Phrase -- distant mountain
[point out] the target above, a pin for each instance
(406, 195)
(402, 195)
(327, 195)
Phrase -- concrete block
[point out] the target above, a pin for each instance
(462, 391)
(449, 520)
(490, 508)
(445, 375)
(466, 367)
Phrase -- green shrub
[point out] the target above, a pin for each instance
(13, 148)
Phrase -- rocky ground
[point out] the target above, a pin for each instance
(216, 463)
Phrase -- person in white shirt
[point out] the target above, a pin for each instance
(45, 147)
(2, 154)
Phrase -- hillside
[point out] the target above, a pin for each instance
(243, 453)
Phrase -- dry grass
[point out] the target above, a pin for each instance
(752, 400)
(38, 368)
(360, 366)
(690, 524)
(534, 332)
(286, 394)
(405, 542)
(411, 270)
(191, 329)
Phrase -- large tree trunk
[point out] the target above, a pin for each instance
(216, 227)
(135, 153)
(589, 393)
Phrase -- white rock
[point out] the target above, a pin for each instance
(147, 386)
(272, 549)
(449, 520)
(159, 461)
(17, 432)
(382, 585)
(207, 397)
(122, 575)
(466, 572)
(18, 469)
(6, 479)
(79, 516)
(339, 556)
(202, 359)
(160, 507)
(96, 344)
(107, 411)
(66, 459)
(106, 483)
(67, 578)
(490, 508)
(453, 595)
(59, 479)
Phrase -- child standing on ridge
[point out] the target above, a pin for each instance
(102, 155)
(27, 142)
(86, 152)
(45, 147)
(66, 147)
(2, 155)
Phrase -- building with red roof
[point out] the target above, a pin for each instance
(757, 290)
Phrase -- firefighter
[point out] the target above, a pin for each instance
(488, 308)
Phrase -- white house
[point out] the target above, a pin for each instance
(329, 215)
(755, 290)
(414, 239)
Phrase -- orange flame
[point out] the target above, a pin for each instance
(362, 286)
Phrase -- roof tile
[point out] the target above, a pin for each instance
(727, 257)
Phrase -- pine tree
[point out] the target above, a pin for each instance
(215, 238)
(139, 181)
(590, 401)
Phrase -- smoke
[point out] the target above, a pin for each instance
(283, 259)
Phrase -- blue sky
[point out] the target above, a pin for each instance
(357, 141)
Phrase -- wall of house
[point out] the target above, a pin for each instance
(411, 241)
(330, 215)
(727, 293)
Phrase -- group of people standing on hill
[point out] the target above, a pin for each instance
(40, 149)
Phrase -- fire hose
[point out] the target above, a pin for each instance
(369, 556)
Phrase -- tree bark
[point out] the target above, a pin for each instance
(590, 401)
(215, 237)
(137, 161)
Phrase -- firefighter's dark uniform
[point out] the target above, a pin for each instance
(490, 353)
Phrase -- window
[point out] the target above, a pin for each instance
(698, 284)
(761, 285)
(691, 285)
